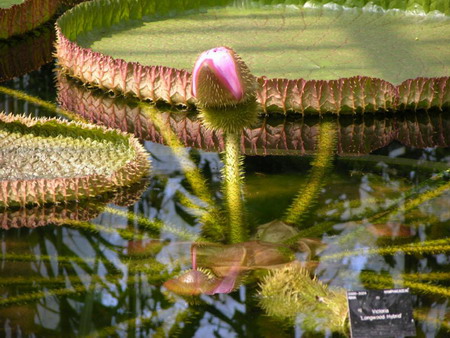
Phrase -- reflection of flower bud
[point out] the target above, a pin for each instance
(220, 79)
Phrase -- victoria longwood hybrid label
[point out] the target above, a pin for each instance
(381, 313)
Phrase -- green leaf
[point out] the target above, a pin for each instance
(309, 43)
(9, 3)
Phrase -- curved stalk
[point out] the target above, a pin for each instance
(155, 225)
(427, 247)
(412, 200)
(323, 159)
(377, 281)
(41, 103)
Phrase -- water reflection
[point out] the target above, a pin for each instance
(372, 221)
(20, 55)
(271, 136)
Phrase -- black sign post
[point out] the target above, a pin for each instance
(381, 313)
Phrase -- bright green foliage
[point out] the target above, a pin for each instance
(426, 247)
(9, 3)
(289, 42)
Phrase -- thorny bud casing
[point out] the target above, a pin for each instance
(221, 79)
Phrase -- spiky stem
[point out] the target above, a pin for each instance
(373, 280)
(233, 180)
(155, 225)
(316, 179)
(32, 296)
(427, 247)
(290, 292)
(431, 320)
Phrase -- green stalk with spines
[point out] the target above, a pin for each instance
(290, 292)
(427, 247)
(419, 315)
(41, 103)
(97, 228)
(33, 296)
(233, 185)
(321, 164)
(156, 225)
(413, 277)
(319, 229)
(111, 330)
(60, 260)
(378, 281)
(211, 221)
(372, 215)
(429, 276)
(212, 218)
(81, 288)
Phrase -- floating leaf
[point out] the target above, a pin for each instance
(21, 16)
(317, 59)
(49, 160)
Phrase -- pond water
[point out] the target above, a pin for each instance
(375, 215)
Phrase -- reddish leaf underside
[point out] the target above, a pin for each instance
(271, 136)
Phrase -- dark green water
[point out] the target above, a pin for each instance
(97, 267)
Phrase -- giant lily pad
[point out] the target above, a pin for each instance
(21, 16)
(50, 161)
(317, 58)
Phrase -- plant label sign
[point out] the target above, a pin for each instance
(381, 313)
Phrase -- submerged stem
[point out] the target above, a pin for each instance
(377, 281)
(155, 224)
(427, 247)
(411, 200)
(39, 102)
(212, 217)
